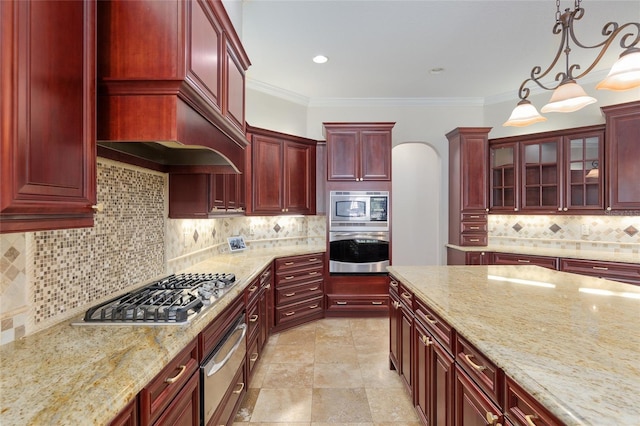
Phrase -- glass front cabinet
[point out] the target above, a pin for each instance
(547, 172)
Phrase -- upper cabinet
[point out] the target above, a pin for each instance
(623, 151)
(171, 71)
(358, 151)
(468, 196)
(548, 172)
(283, 174)
(48, 163)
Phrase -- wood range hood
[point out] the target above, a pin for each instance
(157, 127)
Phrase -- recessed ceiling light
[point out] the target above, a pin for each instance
(436, 70)
(320, 59)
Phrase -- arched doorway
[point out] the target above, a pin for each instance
(415, 207)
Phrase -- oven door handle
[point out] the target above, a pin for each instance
(381, 236)
(212, 366)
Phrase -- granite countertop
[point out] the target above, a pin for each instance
(571, 341)
(602, 255)
(81, 375)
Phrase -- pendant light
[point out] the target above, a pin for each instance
(568, 95)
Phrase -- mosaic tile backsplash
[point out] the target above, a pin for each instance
(50, 276)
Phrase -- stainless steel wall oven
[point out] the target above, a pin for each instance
(358, 252)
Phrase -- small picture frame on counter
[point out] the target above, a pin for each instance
(236, 243)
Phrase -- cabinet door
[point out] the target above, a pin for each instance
(234, 89)
(394, 327)
(583, 164)
(48, 164)
(504, 179)
(623, 151)
(541, 189)
(188, 195)
(343, 155)
(422, 387)
(184, 410)
(375, 155)
(299, 178)
(406, 346)
(472, 406)
(218, 192)
(267, 175)
(473, 172)
(203, 60)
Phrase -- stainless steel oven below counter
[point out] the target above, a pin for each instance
(358, 252)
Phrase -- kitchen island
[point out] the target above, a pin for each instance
(570, 341)
(84, 375)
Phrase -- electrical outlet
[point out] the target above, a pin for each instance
(585, 229)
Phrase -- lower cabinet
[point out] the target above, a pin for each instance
(299, 290)
(450, 381)
(258, 296)
(128, 416)
(624, 272)
(522, 259)
(357, 295)
(173, 396)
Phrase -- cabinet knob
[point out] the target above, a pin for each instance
(565, 209)
(515, 209)
(609, 208)
(98, 207)
(559, 209)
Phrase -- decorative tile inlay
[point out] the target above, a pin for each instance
(11, 254)
(631, 231)
(213, 233)
(554, 228)
(277, 228)
(517, 227)
(195, 235)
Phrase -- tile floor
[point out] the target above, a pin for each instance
(332, 371)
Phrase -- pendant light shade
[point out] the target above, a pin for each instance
(569, 96)
(625, 72)
(524, 114)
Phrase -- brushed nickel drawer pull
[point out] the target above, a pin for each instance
(290, 294)
(429, 319)
(393, 284)
(524, 261)
(474, 217)
(290, 277)
(530, 418)
(376, 303)
(313, 273)
(314, 288)
(288, 263)
(268, 286)
(313, 306)
(406, 296)
(288, 314)
(601, 268)
(177, 376)
(254, 357)
(474, 240)
(313, 259)
(253, 288)
(473, 364)
(396, 304)
(474, 227)
(240, 388)
(253, 318)
(426, 340)
(341, 303)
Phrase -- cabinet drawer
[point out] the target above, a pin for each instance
(297, 276)
(406, 296)
(474, 217)
(160, 392)
(625, 272)
(473, 227)
(483, 372)
(472, 406)
(354, 302)
(474, 240)
(294, 293)
(253, 355)
(298, 262)
(522, 409)
(442, 331)
(290, 313)
(521, 259)
(253, 319)
(252, 292)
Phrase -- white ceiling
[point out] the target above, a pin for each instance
(385, 48)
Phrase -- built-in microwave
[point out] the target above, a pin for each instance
(359, 211)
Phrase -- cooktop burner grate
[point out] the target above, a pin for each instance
(171, 300)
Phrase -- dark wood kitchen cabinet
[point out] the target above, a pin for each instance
(259, 301)
(128, 416)
(522, 259)
(191, 90)
(548, 173)
(401, 355)
(203, 195)
(48, 162)
(358, 151)
(299, 290)
(522, 409)
(283, 173)
(173, 396)
(357, 295)
(434, 367)
(622, 153)
(624, 272)
(468, 180)
(460, 257)
(472, 406)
